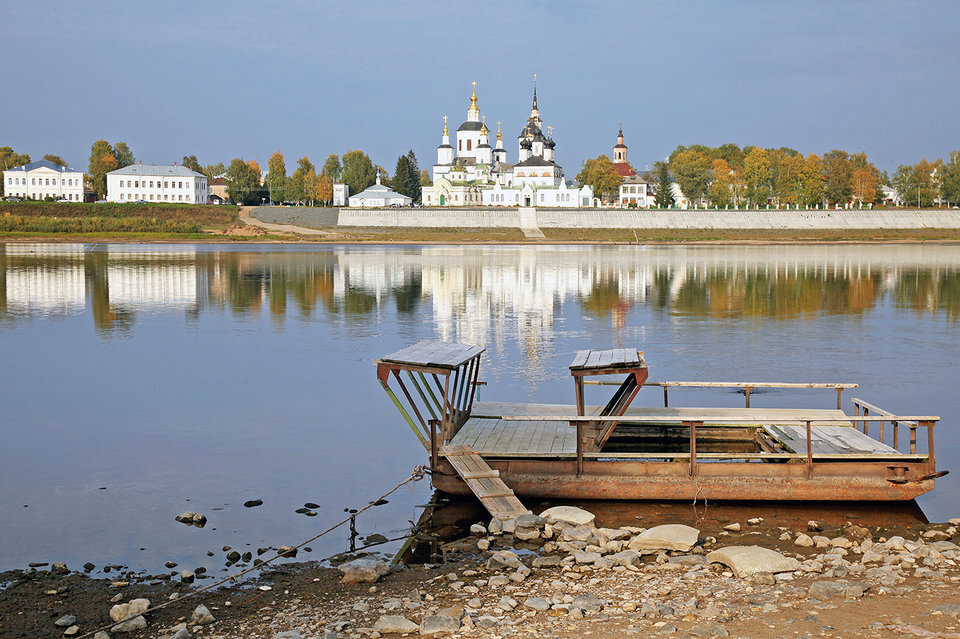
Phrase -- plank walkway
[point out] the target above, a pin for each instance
(485, 482)
(827, 440)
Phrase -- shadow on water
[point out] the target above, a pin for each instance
(449, 517)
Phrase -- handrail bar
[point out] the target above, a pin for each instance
(876, 409)
(747, 387)
(660, 419)
(601, 382)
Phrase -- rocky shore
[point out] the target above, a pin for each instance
(556, 574)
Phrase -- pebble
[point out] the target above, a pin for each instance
(65, 620)
(72, 630)
(252, 503)
(201, 616)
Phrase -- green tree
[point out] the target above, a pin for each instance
(123, 155)
(415, 175)
(691, 169)
(56, 159)
(243, 182)
(301, 185)
(918, 184)
(838, 173)
(950, 185)
(9, 159)
(405, 180)
(276, 177)
(756, 173)
(190, 161)
(664, 197)
(358, 171)
(332, 167)
(102, 161)
(600, 174)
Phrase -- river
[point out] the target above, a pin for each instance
(141, 381)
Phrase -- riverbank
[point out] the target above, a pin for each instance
(564, 575)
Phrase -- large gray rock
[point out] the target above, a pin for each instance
(530, 521)
(826, 590)
(537, 603)
(747, 560)
(588, 603)
(503, 559)
(626, 558)
(666, 537)
(570, 515)
(439, 624)
(201, 616)
(65, 621)
(181, 633)
(363, 570)
(394, 624)
(130, 625)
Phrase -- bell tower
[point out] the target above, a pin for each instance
(620, 149)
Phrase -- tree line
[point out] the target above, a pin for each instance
(751, 176)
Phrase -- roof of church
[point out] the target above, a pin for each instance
(536, 160)
(470, 126)
(624, 169)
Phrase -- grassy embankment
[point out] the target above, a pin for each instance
(114, 221)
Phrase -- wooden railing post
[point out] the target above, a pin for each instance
(666, 401)
(693, 446)
(579, 448)
(913, 438)
(839, 398)
(929, 426)
(746, 393)
(434, 458)
(896, 435)
(809, 451)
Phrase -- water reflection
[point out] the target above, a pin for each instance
(475, 290)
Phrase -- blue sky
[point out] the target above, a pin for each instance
(243, 79)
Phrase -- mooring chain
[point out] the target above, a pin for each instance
(418, 473)
(699, 493)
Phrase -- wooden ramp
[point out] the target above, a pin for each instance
(485, 482)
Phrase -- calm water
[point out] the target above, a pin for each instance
(142, 381)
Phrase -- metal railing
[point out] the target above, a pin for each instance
(746, 387)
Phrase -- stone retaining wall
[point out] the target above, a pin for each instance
(492, 217)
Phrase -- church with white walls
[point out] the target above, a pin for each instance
(471, 172)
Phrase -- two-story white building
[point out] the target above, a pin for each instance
(157, 183)
(42, 179)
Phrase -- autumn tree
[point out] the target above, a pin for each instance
(918, 183)
(102, 161)
(664, 196)
(213, 171)
(812, 180)
(691, 168)
(298, 187)
(358, 171)
(123, 155)
(276, 177)
(425, 178)
(243, 182)
(332, 168)
(600, 174)
(720, 191)
(56, 159)
(756, 173)
(837, 169)
(323, 192)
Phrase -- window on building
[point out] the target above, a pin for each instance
(151, 186)
(151, 196)
(165, 185)
(136, 183)
(33, 180)
(180, 184)
(469, 144)
(180, 198)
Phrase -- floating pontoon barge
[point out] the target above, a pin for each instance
(499, 450)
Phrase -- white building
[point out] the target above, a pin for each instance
(474, 173)
(634, 190)
(378, 196)
(340, 194)
(42, 179)
(157, 183)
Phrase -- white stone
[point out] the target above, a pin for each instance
(568, 515)
(748, 560)
(733, 527)
(394, 624)
(667, 537)
(803, 540)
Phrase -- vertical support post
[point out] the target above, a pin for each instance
(447, 408)
(809, 451)
(693, 445)
(839, 398)
(578, 389)
(433, 444)
(746, 394)
(866, 424)
(896, 435)
(666, 401)
(882, 422)
(932, 462)
(913, 438)
(579, 448)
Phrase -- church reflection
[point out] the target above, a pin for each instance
(483, 295)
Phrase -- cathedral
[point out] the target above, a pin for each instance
(473, 173)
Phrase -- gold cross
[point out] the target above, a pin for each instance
(534, 78)
(444, 119)
(550, 131)
(474, 85)
(484, 118)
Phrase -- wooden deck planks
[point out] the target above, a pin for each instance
(597, 360)
(435, 354)
(484, 482)
(825, 440)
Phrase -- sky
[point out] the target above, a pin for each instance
(243, 78)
